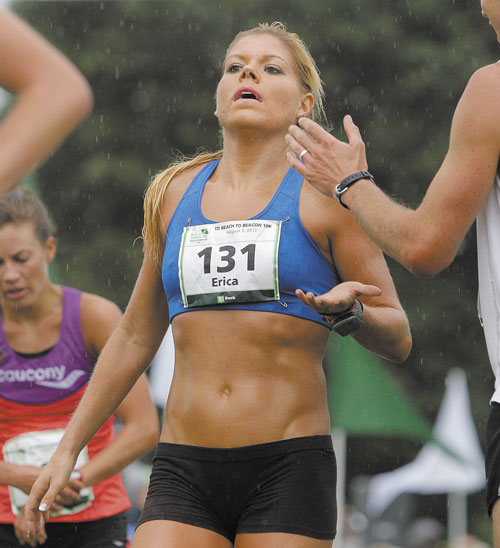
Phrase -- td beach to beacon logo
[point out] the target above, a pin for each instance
(198, 235)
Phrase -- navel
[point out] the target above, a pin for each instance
(226, 390)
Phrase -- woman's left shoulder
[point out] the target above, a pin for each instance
(318, 209)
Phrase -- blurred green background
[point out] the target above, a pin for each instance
(397, 66)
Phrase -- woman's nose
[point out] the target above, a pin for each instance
(248, 72)
(10, 272)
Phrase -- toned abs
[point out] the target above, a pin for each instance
(264, 383)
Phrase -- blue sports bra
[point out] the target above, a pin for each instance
(299, 262)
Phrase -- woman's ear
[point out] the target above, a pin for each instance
(50, 249)
(306, 106)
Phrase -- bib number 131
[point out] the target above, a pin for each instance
(227, 253)
(232, 262)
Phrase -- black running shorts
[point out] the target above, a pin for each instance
(285, 486)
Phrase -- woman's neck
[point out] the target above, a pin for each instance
(251, 161)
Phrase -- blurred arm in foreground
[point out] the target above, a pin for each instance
(53, 97)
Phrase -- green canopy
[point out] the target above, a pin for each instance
(364, 399)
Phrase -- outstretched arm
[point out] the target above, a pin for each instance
(125, 357)
(137, 411)
(52, 98)
(424, 240)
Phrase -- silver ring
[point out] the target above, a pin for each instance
(303, 153)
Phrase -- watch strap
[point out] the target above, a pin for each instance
(349, 181)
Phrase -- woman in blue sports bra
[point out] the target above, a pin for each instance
(251, 266)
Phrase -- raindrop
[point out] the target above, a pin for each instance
(359, 97)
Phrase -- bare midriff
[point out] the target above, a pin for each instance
(245, 377)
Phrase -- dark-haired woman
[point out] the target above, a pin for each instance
(50, 337)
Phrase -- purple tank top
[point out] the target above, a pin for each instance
(55, 375)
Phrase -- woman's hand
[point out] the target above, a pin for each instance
(53, 479)
(29, 474)
(22, 535)
(339, 299)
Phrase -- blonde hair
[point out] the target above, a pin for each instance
(152, 232)
(310, 80)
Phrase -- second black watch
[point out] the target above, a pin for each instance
(350, 180)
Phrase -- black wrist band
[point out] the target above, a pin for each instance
(345, 323)
(349, 181)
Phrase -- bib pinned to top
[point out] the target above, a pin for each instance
(229, 262)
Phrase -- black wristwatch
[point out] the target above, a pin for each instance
(348, 321)
(350, 180)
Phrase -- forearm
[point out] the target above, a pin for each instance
(18, 475)
(425, 240)
(386, 332)
(52, 96)
(121, 363)
(7, 472)
(139, 433)
(131, 443)
(41, 118)
(393, 227)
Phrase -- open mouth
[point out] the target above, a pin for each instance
(248, 94)
(15, 293)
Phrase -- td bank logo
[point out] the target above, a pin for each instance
(220, 299)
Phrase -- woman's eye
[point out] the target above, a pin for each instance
(233, 68)
(273, 70)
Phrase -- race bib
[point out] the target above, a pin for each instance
(35, 449)
(230, 262)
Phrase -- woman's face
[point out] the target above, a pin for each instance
(491, 10)
(260, 88)
(23, 264)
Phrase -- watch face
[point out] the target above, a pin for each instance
(347, 326)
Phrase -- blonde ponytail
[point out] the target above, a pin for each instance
(152, 231)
